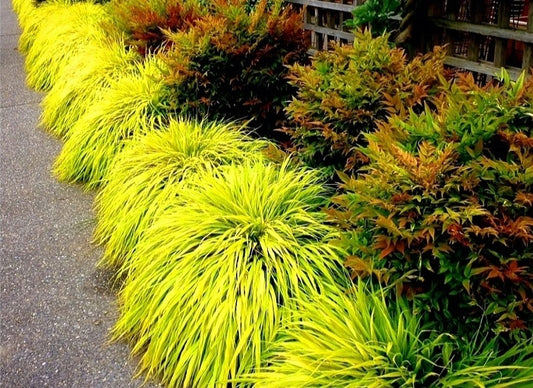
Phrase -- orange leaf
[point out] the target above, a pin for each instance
(495, 273)
(387, 251)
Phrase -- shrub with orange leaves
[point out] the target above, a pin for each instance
(344, 92)
(227, 58)
(147, 23)
(240, 69)
(443, 209)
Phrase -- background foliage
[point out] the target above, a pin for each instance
(375, 15)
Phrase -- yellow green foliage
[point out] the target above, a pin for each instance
(84, 81)
(358, 339)
(222, 268)
(25, 10)
(130, 106)
(32, 18)
(61, 33)
(153, 169)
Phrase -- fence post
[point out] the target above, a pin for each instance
(504, 15)
(527, 62)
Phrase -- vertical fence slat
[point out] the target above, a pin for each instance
(527, 62)
(504, 15)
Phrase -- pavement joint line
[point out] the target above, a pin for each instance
(17, 105)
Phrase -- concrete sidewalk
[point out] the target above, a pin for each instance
(56, 309)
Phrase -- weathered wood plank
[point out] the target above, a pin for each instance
(329, 31)
(527, 61)
(480, 67)
(482, 29)
(325, 5)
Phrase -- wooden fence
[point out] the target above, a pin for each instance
(325, 20)
(481, 35)
(484, 35)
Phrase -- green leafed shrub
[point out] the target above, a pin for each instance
(345, 92)
(360, 340)
(84, 81)
(130, 106)
(375, 14)
(61, 34)
(209, 280)
(444, 208)
(152, 170)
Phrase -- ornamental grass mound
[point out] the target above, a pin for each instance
(218, 272)
(349, 340)
(361, 339)
(26, 15)
(84, 81)
(61, 34)
(31, 18)
(153, 169)
(130, 106)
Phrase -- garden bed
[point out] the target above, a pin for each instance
(351, 219)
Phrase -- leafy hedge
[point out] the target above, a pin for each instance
(345, 92)
(443, 209)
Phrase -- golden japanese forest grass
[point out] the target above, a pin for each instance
(219, 271)
(26, 14)
(84, 81)
(59, 34)
(132, 105)
(361, 339)
(153, 169)
(349, 339)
